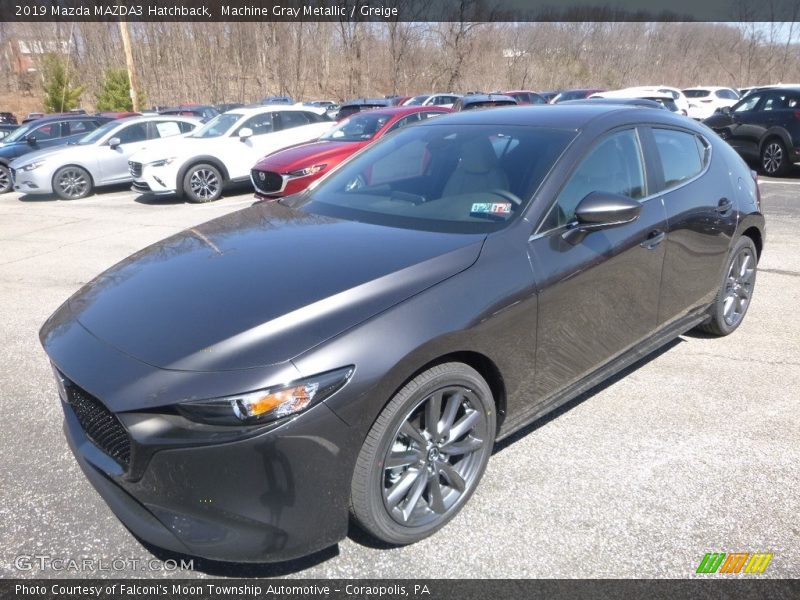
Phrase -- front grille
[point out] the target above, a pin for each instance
(100, 424)
(267, 182)
(135, 168)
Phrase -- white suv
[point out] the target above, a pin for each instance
(224, 150)
(704, 101)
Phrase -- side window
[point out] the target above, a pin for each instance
(293, 118)
(76, 127)
(260, 124)
(47, 132)
(748, 103)
(793, 102)
(727, 95)
(413, 118)
(430, 113)
(132, 133)
(614, 166)
(775, 102)
(168, 128)
(185, 127)
(680, 155)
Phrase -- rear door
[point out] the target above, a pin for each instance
(701, 218)
(599, 297)
(744, 131)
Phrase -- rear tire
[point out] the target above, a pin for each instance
(202, 183)
(774, 158)
(5, 179)
(736, 290)
(424, 455)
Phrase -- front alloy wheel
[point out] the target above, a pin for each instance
(425, 454)
(202, 183)
(72, 183)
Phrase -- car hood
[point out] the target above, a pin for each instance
(260, 286)
(46, 153)
(180, 147)
(297, 157)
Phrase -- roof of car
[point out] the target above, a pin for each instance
(405, 110)
(66, 117)
(642, 102)
(478, 98)
(553, 116)
(262, 108)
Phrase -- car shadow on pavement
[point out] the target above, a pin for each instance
(530, 428)
(244, 570)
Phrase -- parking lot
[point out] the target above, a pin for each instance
(694, 450)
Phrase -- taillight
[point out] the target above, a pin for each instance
(797, 115)
(754, 175)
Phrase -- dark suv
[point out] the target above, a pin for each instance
(46, 132)
(7, 118)
(764, 125)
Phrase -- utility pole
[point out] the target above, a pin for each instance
(126, 44)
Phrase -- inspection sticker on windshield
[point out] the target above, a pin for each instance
(492, 208)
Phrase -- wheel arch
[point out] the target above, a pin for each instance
(775, 132)
(754, 233)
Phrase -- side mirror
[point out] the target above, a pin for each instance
(114, 142)
(244, 133)
(725, 110)
(31, 139)
(601, 210)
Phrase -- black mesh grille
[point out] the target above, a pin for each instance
(135, 168)
(267, 182)
(100, 424)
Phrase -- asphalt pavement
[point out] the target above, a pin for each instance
(696, 449)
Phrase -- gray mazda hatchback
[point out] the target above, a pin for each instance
(239, 391)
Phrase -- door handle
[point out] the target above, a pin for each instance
(654, 238)
(724, 205)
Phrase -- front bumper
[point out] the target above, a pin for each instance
(38, 181)
(154, 181)
(259, 495)
(275, 496)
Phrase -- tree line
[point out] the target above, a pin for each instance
(227, 62)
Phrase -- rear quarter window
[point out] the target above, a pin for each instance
(683, 155)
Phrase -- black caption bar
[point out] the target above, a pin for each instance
(236, 589)
(401, 10)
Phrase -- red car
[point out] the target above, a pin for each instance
(292, 170)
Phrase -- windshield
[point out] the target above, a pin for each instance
(218, 126)
(20, 133)
(695, 93)
(97, 134)
(441, 177)
(359, 127)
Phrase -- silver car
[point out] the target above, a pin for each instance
(98, 159)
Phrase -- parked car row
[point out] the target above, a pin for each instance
(282, 148)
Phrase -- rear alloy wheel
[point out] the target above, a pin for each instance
(72, 183)
(774, 159)
(5, 179)
(425, 454)
(736, 291)
(202, 183)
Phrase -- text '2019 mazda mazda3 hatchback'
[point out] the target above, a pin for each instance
(238, 390)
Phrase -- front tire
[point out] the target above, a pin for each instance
(202, 183)
(774, 158)
(424, 455)
(72, 183)
(736, 290)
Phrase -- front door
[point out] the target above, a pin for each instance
(599, 297)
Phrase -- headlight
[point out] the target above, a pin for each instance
(268, 404)
(307, 171)
(32, 166)
(161, 163)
